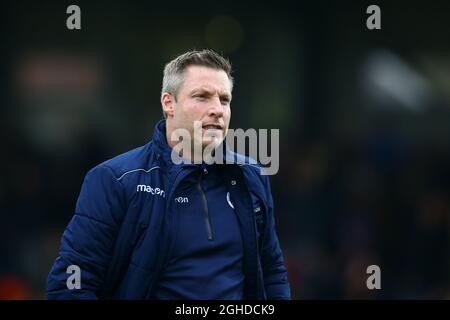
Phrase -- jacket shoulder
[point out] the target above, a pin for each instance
(252, 168)
(135, 159)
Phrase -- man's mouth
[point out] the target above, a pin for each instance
(212, 127)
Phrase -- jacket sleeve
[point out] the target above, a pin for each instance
(89, 238)
(274, 270)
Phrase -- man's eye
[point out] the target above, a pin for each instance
(200, 97)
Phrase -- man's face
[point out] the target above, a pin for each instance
(205, 96)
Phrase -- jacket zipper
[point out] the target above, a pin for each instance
(205, 208)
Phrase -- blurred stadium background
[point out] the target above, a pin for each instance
(363, 118)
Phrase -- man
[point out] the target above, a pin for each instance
(146, 227)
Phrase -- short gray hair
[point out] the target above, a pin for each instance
(173, 71)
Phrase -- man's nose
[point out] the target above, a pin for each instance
(216, 109)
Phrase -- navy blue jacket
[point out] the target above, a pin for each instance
(119, 235)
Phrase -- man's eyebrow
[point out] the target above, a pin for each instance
(210, 92)
(225, 95)
(202, 90)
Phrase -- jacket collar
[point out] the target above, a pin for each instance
(160, 145)
(163, 150)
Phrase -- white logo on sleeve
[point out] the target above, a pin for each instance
(149, 189)
(182, 200)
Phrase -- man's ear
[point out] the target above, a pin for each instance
(167, 102)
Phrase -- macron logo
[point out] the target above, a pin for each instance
(154, 191)
(182, 200)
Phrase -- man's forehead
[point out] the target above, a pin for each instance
(204, 71)
(200, 76)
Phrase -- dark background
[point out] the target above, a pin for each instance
(363, 118)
